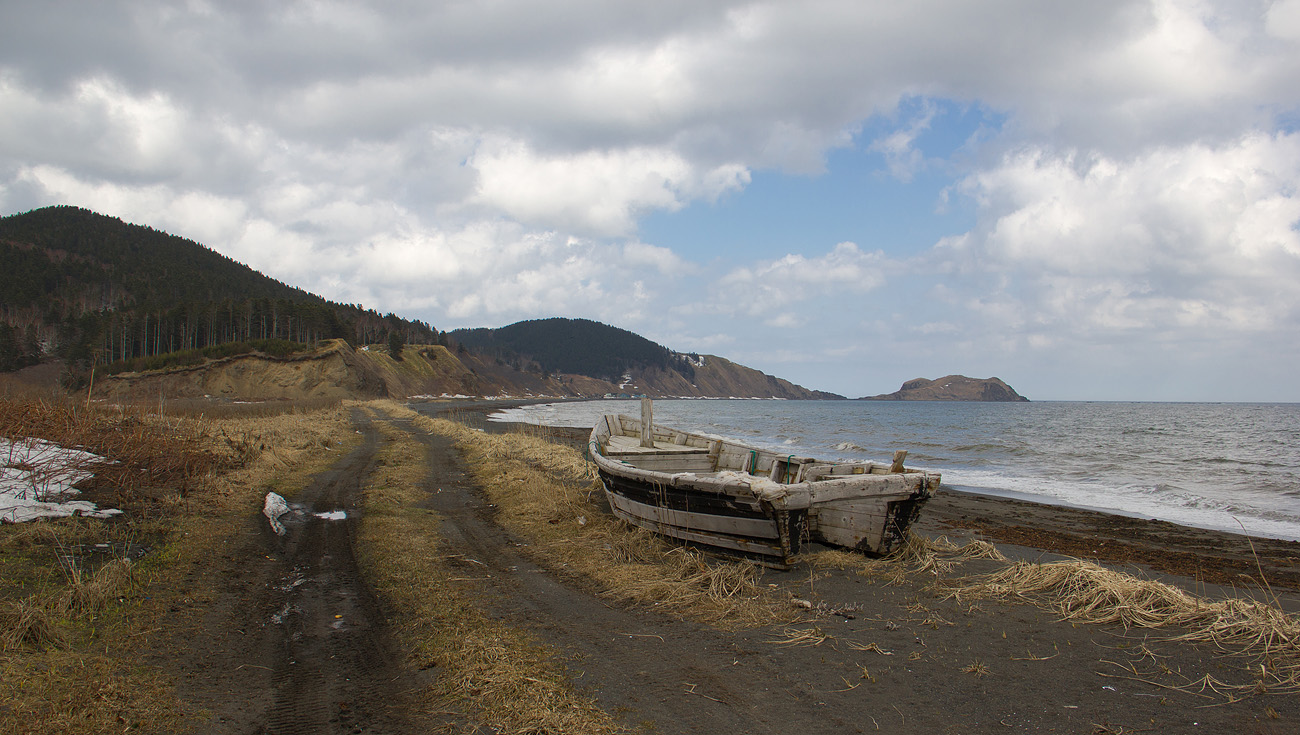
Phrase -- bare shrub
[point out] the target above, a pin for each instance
(28, 621)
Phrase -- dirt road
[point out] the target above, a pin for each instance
(671, 675)
(295, 642)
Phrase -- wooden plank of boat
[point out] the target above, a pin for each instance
(850, 523)
(751, 527)
(628, 511)
(670, 463)
(618, 446)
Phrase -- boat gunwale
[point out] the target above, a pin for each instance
(824, 488)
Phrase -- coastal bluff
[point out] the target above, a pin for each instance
(952, 388)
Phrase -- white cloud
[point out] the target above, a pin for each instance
(597, 192)
(663, 260)
(1178, 240)
(1283, 19)
(903, 159)
(771, 285)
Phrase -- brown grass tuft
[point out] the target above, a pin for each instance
(1087, 592)
(28, 621)
(110, 582)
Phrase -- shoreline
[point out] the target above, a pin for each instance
(1201, 556)
(1198, 555)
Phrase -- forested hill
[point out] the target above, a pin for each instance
(130, 301)
(618, 361)
(573, 346)
(94, 289)
(85, 261)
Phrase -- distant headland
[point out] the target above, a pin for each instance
(952, 388)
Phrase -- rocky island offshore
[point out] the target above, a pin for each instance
(952, 388)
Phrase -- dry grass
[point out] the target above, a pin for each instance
(69, 692)
(72, 629)
(501, 674)
(917, 555)
(1085, 592)
(549, 493)
(90, 593)
(144, 452)
(29, 622)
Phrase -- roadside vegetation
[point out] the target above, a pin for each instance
(499, 675)
(82, 599)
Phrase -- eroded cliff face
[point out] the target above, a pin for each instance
(952, 388)
(331, 372)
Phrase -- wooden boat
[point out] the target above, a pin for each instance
(751, 501)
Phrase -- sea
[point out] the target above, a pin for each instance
(1227, 466)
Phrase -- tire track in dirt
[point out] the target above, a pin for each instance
(650, 669)
(297, 641)
(334, 663)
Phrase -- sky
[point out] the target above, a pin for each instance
(1091, 201)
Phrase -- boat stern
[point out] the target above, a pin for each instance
(873, 525)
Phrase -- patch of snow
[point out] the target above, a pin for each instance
(37, 479)
(333, 515)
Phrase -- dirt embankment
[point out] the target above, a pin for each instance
(335, 371)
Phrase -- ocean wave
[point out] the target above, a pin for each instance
(1163, 501)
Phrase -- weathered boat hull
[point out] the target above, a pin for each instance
(697, 518)
(748, 501)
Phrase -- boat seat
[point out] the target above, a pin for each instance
(623, 446)
(673, 463)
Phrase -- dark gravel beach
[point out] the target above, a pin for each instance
(902, 655)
